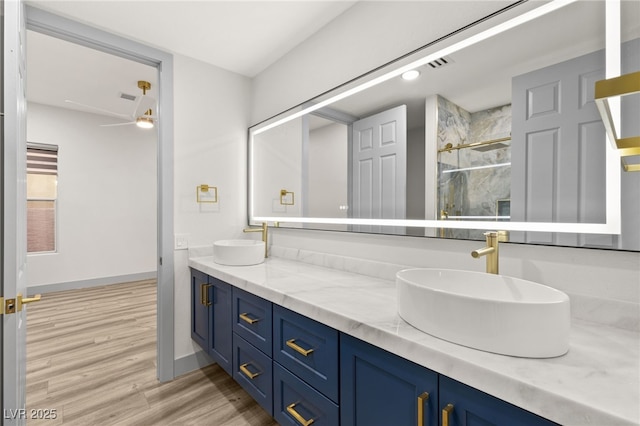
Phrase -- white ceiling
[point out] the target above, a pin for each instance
(244, 37)
(240, 36)
(247, 36)
(58, 70)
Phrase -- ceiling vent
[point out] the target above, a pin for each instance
(128, 97)
(439, 63)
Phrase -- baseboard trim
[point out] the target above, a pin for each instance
(190, 363)
(94, 282)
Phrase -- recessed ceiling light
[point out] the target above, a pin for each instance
(410, 75)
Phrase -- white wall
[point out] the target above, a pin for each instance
(280, 167)
(211, 120)
(328, 171)
(106, 208)
(415, 175)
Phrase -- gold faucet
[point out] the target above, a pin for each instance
(491, 250)
(262, 229)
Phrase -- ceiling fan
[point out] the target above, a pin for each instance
(142, 115)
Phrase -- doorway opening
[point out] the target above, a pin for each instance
(101, 229)
(161, 64)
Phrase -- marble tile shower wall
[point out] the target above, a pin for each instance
(479, 191)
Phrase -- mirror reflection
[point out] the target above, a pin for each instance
(505, 130)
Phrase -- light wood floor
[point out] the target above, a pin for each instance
(91, 357)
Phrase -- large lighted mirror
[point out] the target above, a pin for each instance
(498, 129)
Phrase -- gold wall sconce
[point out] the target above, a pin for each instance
(206, 194)
(624, 85)
(287, 198)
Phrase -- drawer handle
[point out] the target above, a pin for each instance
(291, 343)
(204, 294)
(445, 414)
(248, 319)
(248, 373)
(421, 411)
(291, 410)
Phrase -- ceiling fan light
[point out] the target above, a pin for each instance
(144, 122)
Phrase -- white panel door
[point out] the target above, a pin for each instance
(14, 252)
(558, 143)
(380, 167)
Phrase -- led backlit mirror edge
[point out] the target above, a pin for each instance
(613, 223)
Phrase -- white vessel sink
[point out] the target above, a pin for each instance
(238, 252)
(493, 313)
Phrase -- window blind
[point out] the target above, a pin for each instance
(42, 159)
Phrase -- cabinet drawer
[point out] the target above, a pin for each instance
(296, 403)
(254, 371)
(252, 319)
(308, 349)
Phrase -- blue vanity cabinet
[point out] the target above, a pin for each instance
(200, 318)
(462, 405)
(302, 371)
(380, 388)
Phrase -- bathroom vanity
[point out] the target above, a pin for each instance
(310, 340)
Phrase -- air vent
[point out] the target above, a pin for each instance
(128, 97)
(439, 63)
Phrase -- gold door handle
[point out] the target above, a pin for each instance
(248, 319)
(248, 373)
(20, 300)
(291, 410)
(445, 414)
(291, 343)
(424, 397)
(204, 294)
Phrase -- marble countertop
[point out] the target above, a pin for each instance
(596, 383)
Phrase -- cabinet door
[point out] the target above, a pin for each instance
(469, 406)
(379, 388)
(220, 337)
(200, 319)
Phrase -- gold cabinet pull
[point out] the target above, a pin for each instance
(248, 373)
(204, 294)
(424, 397)
(445, 414)
(291, 410)
(245, 317)
(291, 343)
